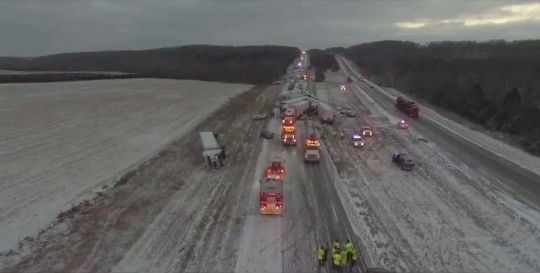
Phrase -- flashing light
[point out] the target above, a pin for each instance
(357, 137)
(402, 122)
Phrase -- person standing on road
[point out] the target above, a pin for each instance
(336, 245)
(320, 256)
(337, 261)
(343, 258)
(353, 259)
(349, 248)
(325, 254)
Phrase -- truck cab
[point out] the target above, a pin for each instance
(276, 170)
(357, 141)
(271, 196)
(289, 115)
(288, 133)
(313, 148)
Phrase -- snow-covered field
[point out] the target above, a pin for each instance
(172, 213)
(61, 141)
(439, 217)
(515, 154)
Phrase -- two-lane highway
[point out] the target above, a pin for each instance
(522, 183)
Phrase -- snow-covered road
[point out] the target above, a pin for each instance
(61, 141)
(313, 214)
(442, 216)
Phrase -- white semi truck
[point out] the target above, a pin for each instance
(213, 153)
(300, 108)
(326, 114)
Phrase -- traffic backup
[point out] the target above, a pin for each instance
(271, 196)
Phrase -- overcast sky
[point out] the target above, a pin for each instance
(31, 28)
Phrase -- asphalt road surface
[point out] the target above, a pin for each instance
(520, 182)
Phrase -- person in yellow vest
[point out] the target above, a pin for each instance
(343, 258)
(349, 248)
(337, 261)
(336, 244)
(353, 259)
(320, 256)
(325, 254)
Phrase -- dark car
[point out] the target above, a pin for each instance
(350, 114)
(404, 161)
(267, 134)
(371, 87)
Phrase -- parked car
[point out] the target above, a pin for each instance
(404, 161)
(267, 134)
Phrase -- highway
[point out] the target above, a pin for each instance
(514, 179)
(314, 204)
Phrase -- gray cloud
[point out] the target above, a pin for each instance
(30, 28)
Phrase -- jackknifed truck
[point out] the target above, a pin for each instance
(213, 153)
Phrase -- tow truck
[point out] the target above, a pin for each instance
(276, 170)
(312, 149)
(288, 133)
(357, 141)
(271, 196)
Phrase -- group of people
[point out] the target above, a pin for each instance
(340, 256)
(334, 134)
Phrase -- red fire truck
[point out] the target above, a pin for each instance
(271, 196)
(276, 170)
(288, 133)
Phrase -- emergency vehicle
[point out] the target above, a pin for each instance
(357, 141)
(289, 115)
(271, 196)
(288, 133)
(312, 150)
(276, 170)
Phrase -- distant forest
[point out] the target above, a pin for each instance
(321, 61)
(495, 84)
(243, 64)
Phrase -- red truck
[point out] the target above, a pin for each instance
(407, 106)
(271, 196)
(288, 133)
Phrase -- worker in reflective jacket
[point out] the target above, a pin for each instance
(349, 248)
(336, 244)
(343, 258)
(320, 256)
(354, 256)
(337, 261)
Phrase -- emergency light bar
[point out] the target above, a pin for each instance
(357, 137)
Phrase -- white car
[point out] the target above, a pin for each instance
(402, 124)
(259, 117)
(343, 88)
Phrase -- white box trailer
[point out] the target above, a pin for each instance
(300, 108)
(213, 153)
(326, 114)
